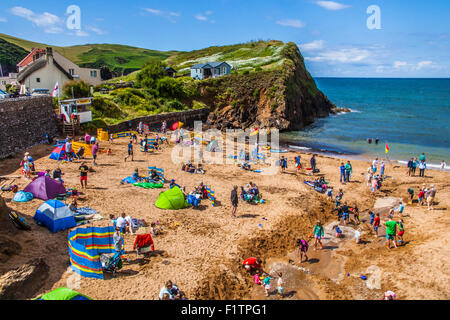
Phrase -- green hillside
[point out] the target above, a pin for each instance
(10, 55)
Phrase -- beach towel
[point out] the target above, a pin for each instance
(142, 241)
(129, 180)
(85, 211)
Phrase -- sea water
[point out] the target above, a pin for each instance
(410, 115)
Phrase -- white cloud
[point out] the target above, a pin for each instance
(209, 12)
(423, 64)
(315, 45)
(201, 17)
(331, 5)
(81, 33)
(348, 55)
(400, 64)
(167, 15)
(295, 23)
(50, 22)
(96, 30)
(3, 19)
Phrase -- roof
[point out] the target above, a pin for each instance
(170, 69)
(29, 58)
(37, 65)
(209, 64)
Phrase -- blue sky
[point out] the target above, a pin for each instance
(414, 39)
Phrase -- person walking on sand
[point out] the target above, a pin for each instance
(376, 224)
(374, 165)
(83, 174)
(234, 201)
(391, 228)
(410, 166)
(401, 231)
(280, 283)
(348, 171)
(430, 197)
(422, 167)
(374, 184)
(302, 249)
(94, 152)
(342, 173)
(313, 163)
(382, 169)
(130, 151)
(318, 235)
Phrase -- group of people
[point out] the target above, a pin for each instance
(420, 163)
(262, 278)
(250, 192)
(189, 167)
(425, 194)
(346, 172)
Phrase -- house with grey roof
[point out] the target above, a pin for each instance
(210, 70)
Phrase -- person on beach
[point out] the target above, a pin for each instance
(69, 151)
(94, 152)
(382, 169)
(391, 228)
(348, 171)
(118, 241)
(430, 197)
(283, 164)
(298, 163)
(389, 295)
(130, 151)
(422, 167)
(422, 157)
(401, 231)
(443, 165)
(401, 208)
(330, 194)
(234, 201)
(343, 176)
(369, 178)
(355, 210)
(410, 166)
(57, 173)
(313, 163)
(252, 264)
(376, 224)
(302, 249)
(415, 165)
(421, 196)
(411, 195)
(338, 231)
(345, 213)
(280, 283)
(372, 217)
(266, 283)
(318, 234)
(83, 174)
(27, 169)
(339, 196)
(257, 278)
(374, 184)
(374, 165)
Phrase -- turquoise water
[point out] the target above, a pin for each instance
(411, 115)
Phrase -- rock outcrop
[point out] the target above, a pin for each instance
(285, 98)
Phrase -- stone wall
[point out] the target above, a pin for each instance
(24, 123)
(155, 121)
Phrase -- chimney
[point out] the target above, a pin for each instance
(49, 54)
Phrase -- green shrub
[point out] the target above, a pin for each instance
(170, 88)
(150, 74)
(78, 88)
(104, 108)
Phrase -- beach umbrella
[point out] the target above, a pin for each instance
(176, 125)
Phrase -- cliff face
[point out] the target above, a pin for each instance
(285, 98)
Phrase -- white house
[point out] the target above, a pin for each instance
(210, 70)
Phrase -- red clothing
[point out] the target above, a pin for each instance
(376, 222)
(142, 241)
(252, 262)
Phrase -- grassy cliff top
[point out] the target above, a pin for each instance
(244, 56)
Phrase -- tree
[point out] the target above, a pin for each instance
(80, 88)
(150, 74)
(105, 73)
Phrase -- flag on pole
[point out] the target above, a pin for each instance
(254, 132)
(55, 92)
(387, 148)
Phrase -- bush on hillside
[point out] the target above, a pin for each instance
(150, 74)
(170, 88)
(104, 108)
(80, 88)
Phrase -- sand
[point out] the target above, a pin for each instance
(202, 255)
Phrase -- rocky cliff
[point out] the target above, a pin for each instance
(285, 98)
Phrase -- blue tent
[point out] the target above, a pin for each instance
(55, 215)
(23, 196)
(59, 153)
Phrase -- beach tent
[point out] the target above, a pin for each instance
(45, 188)
(63, 294)
(172, 199)
(212, 146)
(85, 247)
(55, 215)
(23, 196)
(59, 153)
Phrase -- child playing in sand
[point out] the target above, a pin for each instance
(330, 194)
(154, 231)
(411, 195)
(280, 285)
(302, 249)
(257, 278)
(376, 224)
(401, 231)
(318, 234)
(372, 217)
(266, 282)
(356, 213)
(338, 231)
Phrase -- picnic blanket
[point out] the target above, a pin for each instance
(86, 211)
(149, 185)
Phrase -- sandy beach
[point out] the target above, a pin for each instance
(204, 253)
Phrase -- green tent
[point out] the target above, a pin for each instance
(172, 199)
(63, 294)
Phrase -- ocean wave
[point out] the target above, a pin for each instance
(300, 148)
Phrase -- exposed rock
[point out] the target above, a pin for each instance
(25, 281)
(337, 110)
(6, 226)
(286, 98)
(8, 248)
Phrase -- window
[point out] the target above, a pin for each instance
(38, 80)
(224, 70)
(72, 72)
(93, 73)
